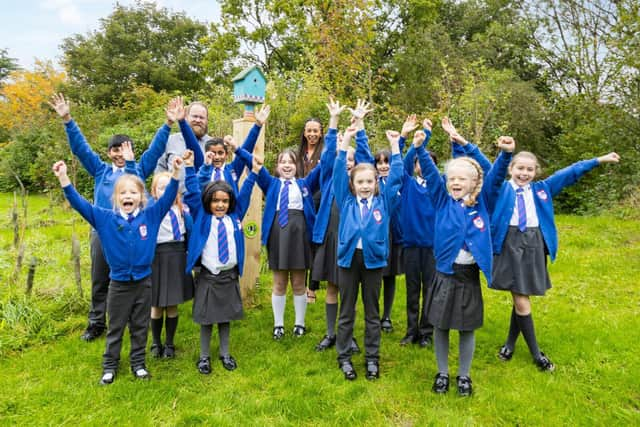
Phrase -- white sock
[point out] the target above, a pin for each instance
(278, 302)
(300, 305)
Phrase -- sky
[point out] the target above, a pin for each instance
(31, 29)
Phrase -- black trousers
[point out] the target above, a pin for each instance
(99, 283)
(127, 303)
(349, 281)
(419, 270)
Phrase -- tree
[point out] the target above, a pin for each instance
(137, 45)
(7, 65)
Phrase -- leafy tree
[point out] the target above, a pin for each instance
(136, 45)
(7, 65)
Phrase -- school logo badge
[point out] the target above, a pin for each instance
(305, 191)
(377, 215)
(143, 231)
(239, 224)
(234, 176)
(479, 223)
(543, 195)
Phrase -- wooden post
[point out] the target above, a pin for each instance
(75, 254)
(15, 222)
(31, 275)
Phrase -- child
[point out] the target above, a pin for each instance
(362, 247)
(105, 175)
(287, 223)
(462, 246)
(215, 167)
(523, 233)
(128, 233)
(220, 245)
(169, 285)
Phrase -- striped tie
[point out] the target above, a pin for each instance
(522, 212)
(130, 218)
(365, 208)
(175, 225)
(283, 214)
(217, 175)
(223, 246)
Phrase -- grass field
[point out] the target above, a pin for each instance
(589, 325)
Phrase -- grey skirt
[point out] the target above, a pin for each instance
(325, 261)
(522, 266)
(455, 301)
(288, 247)
(217, 298)
(169, 284)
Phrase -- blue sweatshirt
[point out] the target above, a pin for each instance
(543, 192)
(129, 248)
(102, 171)
(202, 219)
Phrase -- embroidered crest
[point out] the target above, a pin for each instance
(543, 195)
(239, 224)
(377, 215)
(234, 176)
(479, 223)
(305, 191)
(143, 231)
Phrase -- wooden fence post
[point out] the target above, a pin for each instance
(31, 275)
(75, 254)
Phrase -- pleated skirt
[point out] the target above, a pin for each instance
(288, 247)
(169, 283)
(217, 298)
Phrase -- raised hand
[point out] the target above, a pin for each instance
(453, 133)
(362, 109)
(177, 166)
(348, 134)
(208, 158)
(394, 137)
(612, 157)
(61, 106)
(506, 143)
(426, 124)
(418, 138)
(127, 151)
(230, 143)
(175, 110)
(256, 163)
(409, 125)
(59, 168)
(262, 115)
(188, 158)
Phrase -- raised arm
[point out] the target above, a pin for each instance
(571, 174)
(244, 197)
(79, 203)
(340, 176)
(250, 141)
(394, 182)
(461, 147)
(159, 209)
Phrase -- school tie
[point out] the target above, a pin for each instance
(217, 175)
(223, 246)
(283, 215)
(130, 218)
(522, 212)
(175, 225)
(365, 208)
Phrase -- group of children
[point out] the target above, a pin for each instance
(377, 217)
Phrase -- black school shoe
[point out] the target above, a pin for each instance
(169, 351)
(505, 354)
(464, 386)
(228, 362)
(299, 331)
(386, 325)
(441, 383)
(278, 332)
(204, 365)
(327, 342)
(408, 339)
(425, 341)
(373, 370)
(347, 370)
(544, 364)
(141, 373)
(91, 333)
(156, 350)
(107, 377)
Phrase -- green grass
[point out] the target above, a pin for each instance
(588, 324)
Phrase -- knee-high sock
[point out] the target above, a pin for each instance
(529, 334)
(467, 347)
(171, 325)
(514, 330)
(441, 337)
(389, 295)
(224, 330)
(331, 311)
(300, 306)
(278, 302)
(156, 330)
(205, 340)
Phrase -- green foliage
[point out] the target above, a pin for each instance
(7, 64)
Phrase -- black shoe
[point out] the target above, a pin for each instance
(464, 386)
(354, 346)
(108, 377)
(299, 330)
(204, 365)
(169, 351)
(228, 362)
(386, 325)
(156, 350)
(92, 332)
(425, 341)
(373, 370)
(408, 339)
(544, 364)
(278, 332)
(505, 354)
(441, 383)
(327, 342)
(348, 371)
(141, 373)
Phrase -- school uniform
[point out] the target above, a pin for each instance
(520, 261)
(462, 247)
(129, 247)
(170, 285)
(105, 175)
(217, 296)
(295, 235)
(232, 171)
(363, 249)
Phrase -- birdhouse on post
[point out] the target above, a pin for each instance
(249, 88)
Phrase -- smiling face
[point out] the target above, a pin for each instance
(312, 133)
(286, 167)
(219, 204)
(364, 182)
(198, 119)
(382, 165)
(523, 169)
(128, 193)
(219, 155)
(115, 155)
(461, 179)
